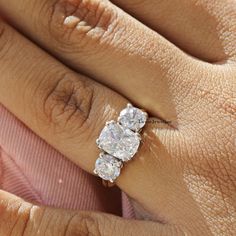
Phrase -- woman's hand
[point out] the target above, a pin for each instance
(184, 176)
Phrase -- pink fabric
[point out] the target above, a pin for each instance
(35, 171)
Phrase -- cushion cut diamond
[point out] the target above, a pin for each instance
(107, 167)
(132, 118)
(118, 141)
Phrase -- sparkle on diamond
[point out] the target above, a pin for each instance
(107, 167)
(118, 141)
(132, 118)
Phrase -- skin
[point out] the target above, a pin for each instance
(179, 64)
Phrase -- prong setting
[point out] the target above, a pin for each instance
(97, 141)
(129, 105)
(139, 136)
(110, 122)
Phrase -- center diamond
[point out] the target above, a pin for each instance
(118, 141)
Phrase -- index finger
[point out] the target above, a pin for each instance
(18, 217)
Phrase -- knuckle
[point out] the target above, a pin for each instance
(54, 222)
(94, 22)
(83, 224)
(67, 104)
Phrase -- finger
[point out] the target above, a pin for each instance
(55, 102)
(108, 45)
(69, 111)
(18, 217)
(190, 25)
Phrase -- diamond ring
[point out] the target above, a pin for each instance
(119, 141)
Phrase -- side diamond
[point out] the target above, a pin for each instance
(107, 167)
(132, 118)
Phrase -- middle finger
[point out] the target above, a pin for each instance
(107, 44)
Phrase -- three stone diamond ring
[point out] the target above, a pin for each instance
(119, 142)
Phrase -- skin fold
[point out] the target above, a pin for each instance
(175, 59)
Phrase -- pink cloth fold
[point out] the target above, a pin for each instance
(33, 170)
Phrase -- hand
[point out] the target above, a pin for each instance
(183, 178)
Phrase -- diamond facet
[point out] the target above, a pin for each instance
(107, 167)
(132, 118)
(118, 141)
